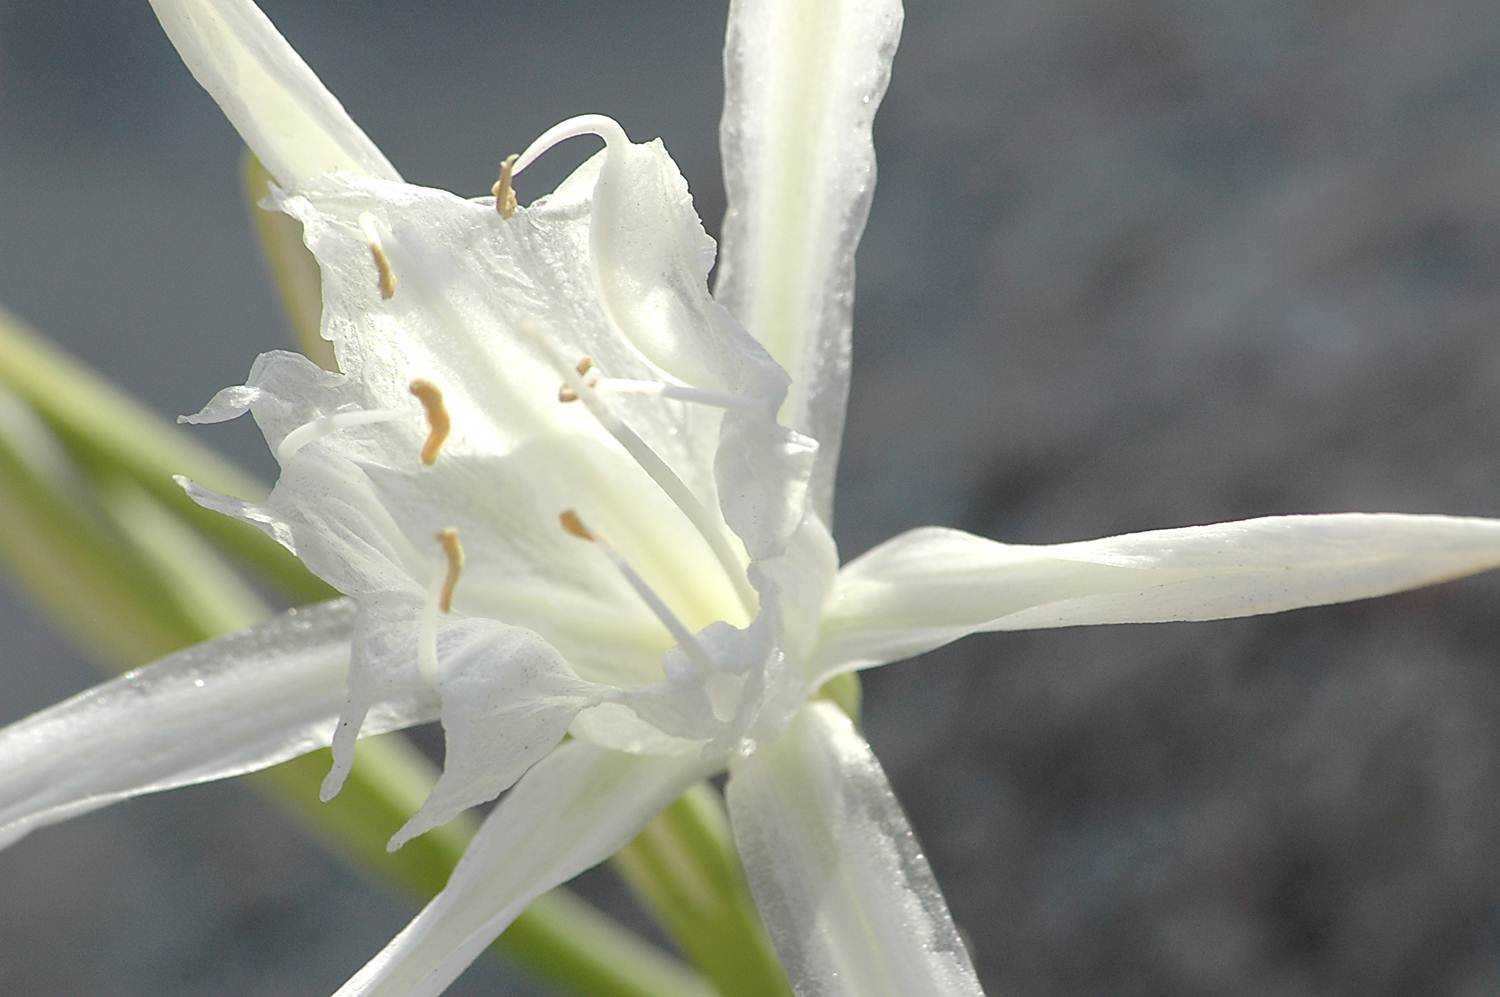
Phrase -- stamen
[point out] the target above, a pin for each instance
(438, 422)
(673, 392)
(695, 652)
(439, 600)
(666, 479)
(505, 194)
(326, 425)
(385, 276)
(585, 364)
(453, 551)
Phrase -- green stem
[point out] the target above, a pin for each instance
(845, 692)
(684, 868)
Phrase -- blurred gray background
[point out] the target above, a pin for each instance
(1131, 264)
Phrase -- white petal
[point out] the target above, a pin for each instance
(763, 472)
(650, 260)
(508, 699)
(468, 282)
(219, 709)
(382, 668)
(469, 286)
(806, 577)
(840, 881)
(329, 515)
(358, 507)
(802, 82)
(930, 586)
(801, 582)
(573, 810)
(282, 111)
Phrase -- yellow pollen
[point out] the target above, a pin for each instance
(438, 423)
(454, 552)
(505, 195)
(573, 526)
(566, 394)
(385, 276)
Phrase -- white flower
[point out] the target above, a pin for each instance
(568, 491)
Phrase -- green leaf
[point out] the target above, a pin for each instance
(106, 429)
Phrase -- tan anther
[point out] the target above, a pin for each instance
(583, 366)
(505, 194)
(573, 526)
(385, 277)
(454, 552)
(438, 423)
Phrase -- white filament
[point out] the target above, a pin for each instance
(666, 479)
(673, 392)
(427, 652)
(326, 425)
(689, 644)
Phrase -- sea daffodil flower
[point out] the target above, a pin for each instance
(566, 490)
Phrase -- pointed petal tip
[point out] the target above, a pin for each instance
(228, 403)
(927, 587)
(579, 805)
(405, 834)
(333, 784)
(345, 738)
(219, 709)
